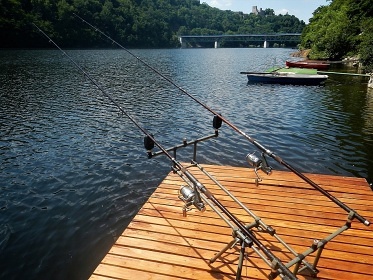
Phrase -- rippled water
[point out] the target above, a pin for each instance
(73, 168)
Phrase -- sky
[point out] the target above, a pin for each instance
(302, 9)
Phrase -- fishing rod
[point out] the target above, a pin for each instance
(235, 128)
(278, 268)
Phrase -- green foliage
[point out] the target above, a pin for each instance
(365, 48)
(342, 28)
(135, 23)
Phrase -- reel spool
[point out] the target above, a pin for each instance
(190, 197)
(258, 163)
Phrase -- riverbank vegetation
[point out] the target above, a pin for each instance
(134, 23)
(341, 29)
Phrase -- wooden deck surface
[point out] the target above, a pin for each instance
(162, 244)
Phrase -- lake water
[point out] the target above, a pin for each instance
(73, 168)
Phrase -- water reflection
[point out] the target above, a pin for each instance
(73, 169)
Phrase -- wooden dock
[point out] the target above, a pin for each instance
(162, 244)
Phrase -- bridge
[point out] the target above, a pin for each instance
(186, 40)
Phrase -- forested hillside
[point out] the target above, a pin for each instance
(134, 23)
(342, 28)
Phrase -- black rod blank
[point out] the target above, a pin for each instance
(282, 269)
(235, 128)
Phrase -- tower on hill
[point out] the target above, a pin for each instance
(255, 11)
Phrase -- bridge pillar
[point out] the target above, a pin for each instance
(266, 44)
(183, 43)
(217, 44)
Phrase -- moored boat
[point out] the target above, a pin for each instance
(319, 65)
(285, 78)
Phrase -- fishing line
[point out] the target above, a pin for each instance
(235, 128)
(249, 237)
(86, 74)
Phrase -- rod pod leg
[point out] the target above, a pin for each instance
(240, 260)
(236, 239)
(230, 245)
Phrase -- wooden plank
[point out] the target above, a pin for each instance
(160, 243)
(278, 201)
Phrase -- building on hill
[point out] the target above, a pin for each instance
(255, 11)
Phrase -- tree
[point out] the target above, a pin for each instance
(137, 23)
(365, 48)
(341, 29)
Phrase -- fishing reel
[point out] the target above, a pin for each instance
(190, 197)
(259, 163)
